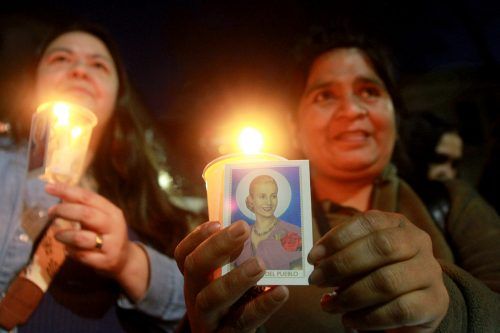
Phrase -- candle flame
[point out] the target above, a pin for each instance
(61, 112)
(76, 132)
(250, 140)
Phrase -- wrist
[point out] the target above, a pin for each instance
(134, 275)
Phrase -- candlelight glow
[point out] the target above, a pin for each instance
(250, 140)
(61, 111)
(165, 180)
(76, 132)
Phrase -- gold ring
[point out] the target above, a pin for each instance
(98, 241)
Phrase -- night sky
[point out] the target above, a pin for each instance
(191, 60)
(169, 46)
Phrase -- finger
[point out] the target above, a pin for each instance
(88, 217)
(79, 195)
(78, 239)
(91, 258)
(203, 263)
(415, 310)
(382, 286)
(216, 250)
(260, 309)
(375, 250)
(214, 300)
(357, 227)
(192, 240)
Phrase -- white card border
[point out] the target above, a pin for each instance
(306, 218)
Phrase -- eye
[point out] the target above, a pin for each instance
(324, 96)
(370, 92)
(57, 58)
(100, 65)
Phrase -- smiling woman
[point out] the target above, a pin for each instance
(116, 273)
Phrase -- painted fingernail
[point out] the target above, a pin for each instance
(317, 277)
(326, 298)
(236, 230)
(316, 253)
(254, 267)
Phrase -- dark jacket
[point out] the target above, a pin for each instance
(469, 255)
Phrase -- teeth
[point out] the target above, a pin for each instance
(358, 135)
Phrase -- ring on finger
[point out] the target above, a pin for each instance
(98, 241)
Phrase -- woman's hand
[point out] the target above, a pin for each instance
(385, 271)
(102, 241)
(214, 303)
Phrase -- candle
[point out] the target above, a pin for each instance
(250, 142)
(68, 128)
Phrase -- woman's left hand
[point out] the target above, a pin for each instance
(102, 242)
(387, 273)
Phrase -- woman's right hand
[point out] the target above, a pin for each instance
(214, 303)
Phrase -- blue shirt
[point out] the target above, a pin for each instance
(164, 298)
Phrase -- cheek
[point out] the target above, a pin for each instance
(385, 127)
(310, 125)
(45, 85)
(109, 93)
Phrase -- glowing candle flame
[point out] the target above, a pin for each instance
(250, 140)
(61, 111)
(76, 132)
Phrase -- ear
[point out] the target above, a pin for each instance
(249, 203)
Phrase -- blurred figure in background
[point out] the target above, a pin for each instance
(434, 149)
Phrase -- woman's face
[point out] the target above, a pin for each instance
(264, 198)
(345, 121)
(77, 67)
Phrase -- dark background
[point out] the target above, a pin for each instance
(196, 62)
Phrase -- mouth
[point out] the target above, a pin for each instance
(76, 90)
(352, 136)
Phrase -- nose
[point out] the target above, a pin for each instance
(79, 69)
(350, 106)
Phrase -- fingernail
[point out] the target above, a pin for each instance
(317, 277)
(279, 293)
(211, 227)
(64, 237)
(316, 253)
(326, 298)
(236, 230)
(254, 267)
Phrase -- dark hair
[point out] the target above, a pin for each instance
(320, 40)
(128, 160)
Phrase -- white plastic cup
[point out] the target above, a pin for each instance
(213, 175)
(59, 138)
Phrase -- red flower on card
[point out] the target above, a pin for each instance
(291, 242)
